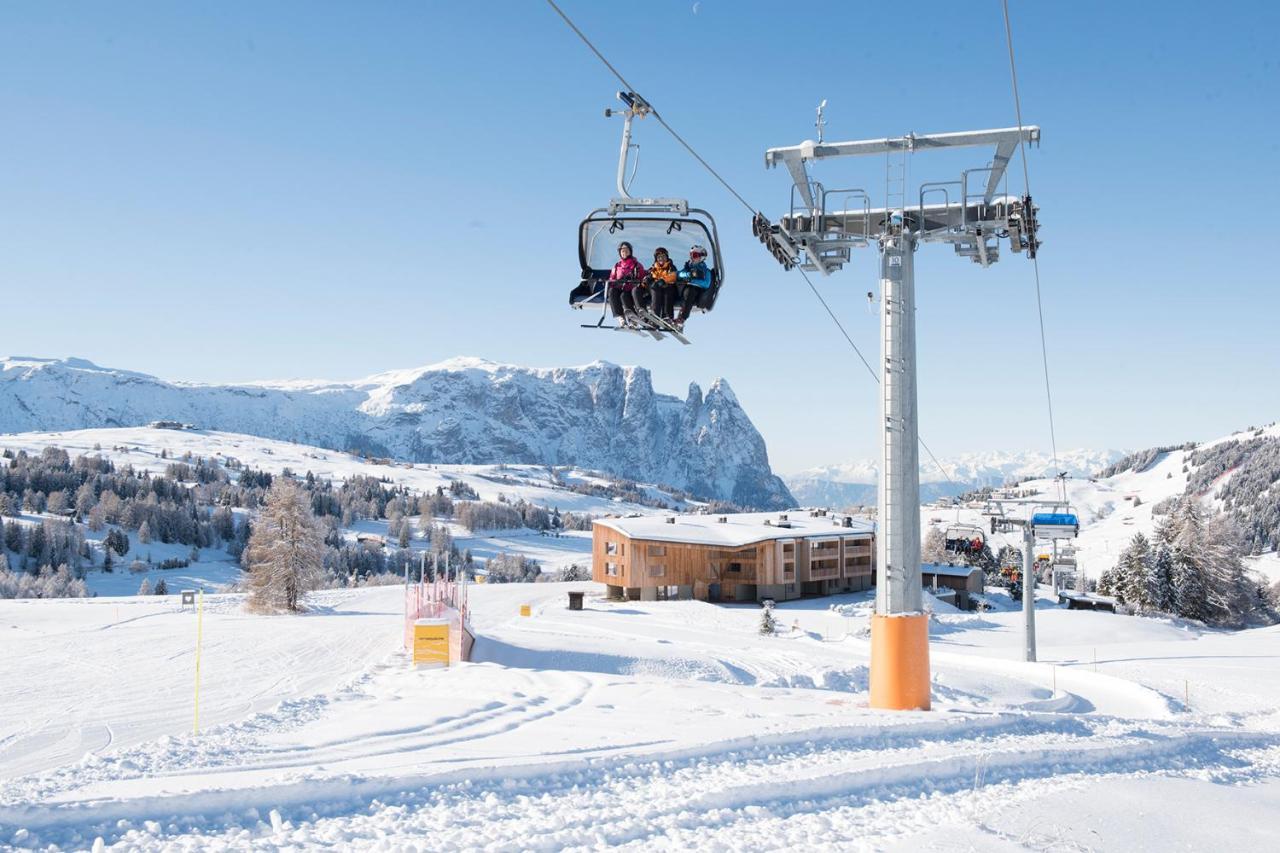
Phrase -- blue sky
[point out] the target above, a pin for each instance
(246, 191)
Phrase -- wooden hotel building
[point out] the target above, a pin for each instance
(739, 557)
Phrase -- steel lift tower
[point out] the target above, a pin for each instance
(819, 233)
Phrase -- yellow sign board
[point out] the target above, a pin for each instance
(431, 642)
(526, 610)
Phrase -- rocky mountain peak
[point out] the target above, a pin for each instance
(599, 416)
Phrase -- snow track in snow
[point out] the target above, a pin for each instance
(828, 788)
(651, 725)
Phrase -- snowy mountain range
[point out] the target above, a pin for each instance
(854, 483)
(464, 410)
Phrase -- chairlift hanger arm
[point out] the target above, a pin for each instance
(636, 107)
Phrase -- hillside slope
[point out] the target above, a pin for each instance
(1233, 473)
(462, 411)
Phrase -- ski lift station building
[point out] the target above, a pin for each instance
(737, 557)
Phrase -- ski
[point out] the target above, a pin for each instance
(637, 322)
(666, 326)
(655, 329)
(602, 327)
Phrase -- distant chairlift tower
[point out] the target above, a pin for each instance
(819, 233)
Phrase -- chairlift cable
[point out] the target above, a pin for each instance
(839, 325)
(1035, 261)
(745, 203)
(865, 363)
(652, 109)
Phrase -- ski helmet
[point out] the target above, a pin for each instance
(661, 251)
(625, 245)
(697, 250)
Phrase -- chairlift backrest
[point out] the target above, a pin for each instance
(1055, 521)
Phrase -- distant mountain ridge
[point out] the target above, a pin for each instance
(464, 410)
(854, 483)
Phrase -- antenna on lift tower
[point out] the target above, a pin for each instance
(820, 232)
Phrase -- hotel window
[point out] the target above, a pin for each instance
(611, 548)
(736, 568)
(657, 550)
(611, 569)
(657, 571)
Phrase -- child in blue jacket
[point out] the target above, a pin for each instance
(693, 279)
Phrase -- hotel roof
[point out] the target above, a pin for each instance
(738, 529)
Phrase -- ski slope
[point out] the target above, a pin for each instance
(656, 725)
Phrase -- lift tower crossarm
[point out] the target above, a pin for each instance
(795, 157)
(810, 150)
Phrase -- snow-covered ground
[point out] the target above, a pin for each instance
(141, 447)
(153, 449)
(663, 725)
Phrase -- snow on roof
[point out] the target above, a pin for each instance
(942, 569)
(744, 528)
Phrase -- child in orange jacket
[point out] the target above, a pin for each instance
(662, 283)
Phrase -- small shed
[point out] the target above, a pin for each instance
(1085, 601)
(965, 580)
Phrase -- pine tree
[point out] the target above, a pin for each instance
(1190, 599)
(1160, 579)
(1107, 582)
(144, 533)
(13, 537)
(285, 554)
(768, 624)
(145, 589)
(406, 531)
(1134, 570)
(1185, 535)
(162, 588)
(37, 542)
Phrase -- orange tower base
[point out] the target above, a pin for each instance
(900, 662)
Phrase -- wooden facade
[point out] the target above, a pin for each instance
(778, 568)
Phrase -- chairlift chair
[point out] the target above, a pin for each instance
(647, 224)
(670, 225)
(960, 538)
(1055, 521)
